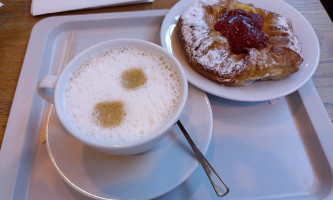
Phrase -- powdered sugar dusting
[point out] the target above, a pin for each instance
(203, 44)
(284, 26)
(197, 33)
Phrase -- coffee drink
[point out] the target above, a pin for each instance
(122, 94)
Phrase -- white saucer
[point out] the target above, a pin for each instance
(144, 176)
(260, 90)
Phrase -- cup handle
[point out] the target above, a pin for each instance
(46, 87)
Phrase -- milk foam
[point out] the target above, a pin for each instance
(99, 80)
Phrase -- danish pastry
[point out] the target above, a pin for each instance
(235, 44)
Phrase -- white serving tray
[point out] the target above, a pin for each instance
(263, 150)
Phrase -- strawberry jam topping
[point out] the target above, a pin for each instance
(242, 29)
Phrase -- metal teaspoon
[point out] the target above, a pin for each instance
(218, 184)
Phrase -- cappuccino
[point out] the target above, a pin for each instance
(122, 94)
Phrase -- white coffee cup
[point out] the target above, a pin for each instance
(52, 88)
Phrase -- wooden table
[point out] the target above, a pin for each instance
(16, 24)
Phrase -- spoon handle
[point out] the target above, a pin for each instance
(218, 184)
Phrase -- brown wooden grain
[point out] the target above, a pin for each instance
(16, 24)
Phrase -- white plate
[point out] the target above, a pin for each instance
(260, 90)
(143, 176)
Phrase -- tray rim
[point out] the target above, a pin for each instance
(13, 146)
